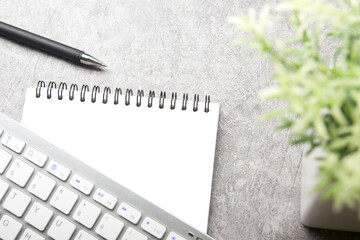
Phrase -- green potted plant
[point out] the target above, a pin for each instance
(317, 72)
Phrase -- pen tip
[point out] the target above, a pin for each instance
(90, 60)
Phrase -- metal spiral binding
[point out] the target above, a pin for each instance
(196, 103)
(62, 86)
(173, 100)
(207, 103)
(96, 89)
(139, 95)
(161, 99)
(73, 88)
(184, 101)
(38, 88)
(151, 98)
(84, 89)
(49, 89)
(128, 93)
(117, 93)
(106, 93)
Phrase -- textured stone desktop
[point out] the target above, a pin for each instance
(182, 46)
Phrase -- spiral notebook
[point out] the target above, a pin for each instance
(161, 147)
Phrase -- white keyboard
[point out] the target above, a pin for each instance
(47, 194)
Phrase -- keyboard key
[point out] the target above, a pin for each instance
(58, 170)
(17, 202)
(19, 172)
(13, 143)
(81, 184)
(82, 235)
(35, 156)
(5, 158)
(154, 228)
(61, 229)
(109, 227)
(9, 228)
(132, 234)
(39, 216)
(174, 236)
(105, 198)
(129, 213)
(41, 186)
(87, 214)
(3, 189)
(64, 199)
(30, 235)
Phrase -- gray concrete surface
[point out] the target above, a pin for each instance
(182, 46)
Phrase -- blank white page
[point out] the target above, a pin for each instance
(164, 155)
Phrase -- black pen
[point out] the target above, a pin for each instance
(48, 45)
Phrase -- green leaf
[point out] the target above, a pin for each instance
(273, 92)
(286, 123)
(320, 127)
(276, 113)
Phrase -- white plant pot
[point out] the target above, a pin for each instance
(318, 213)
